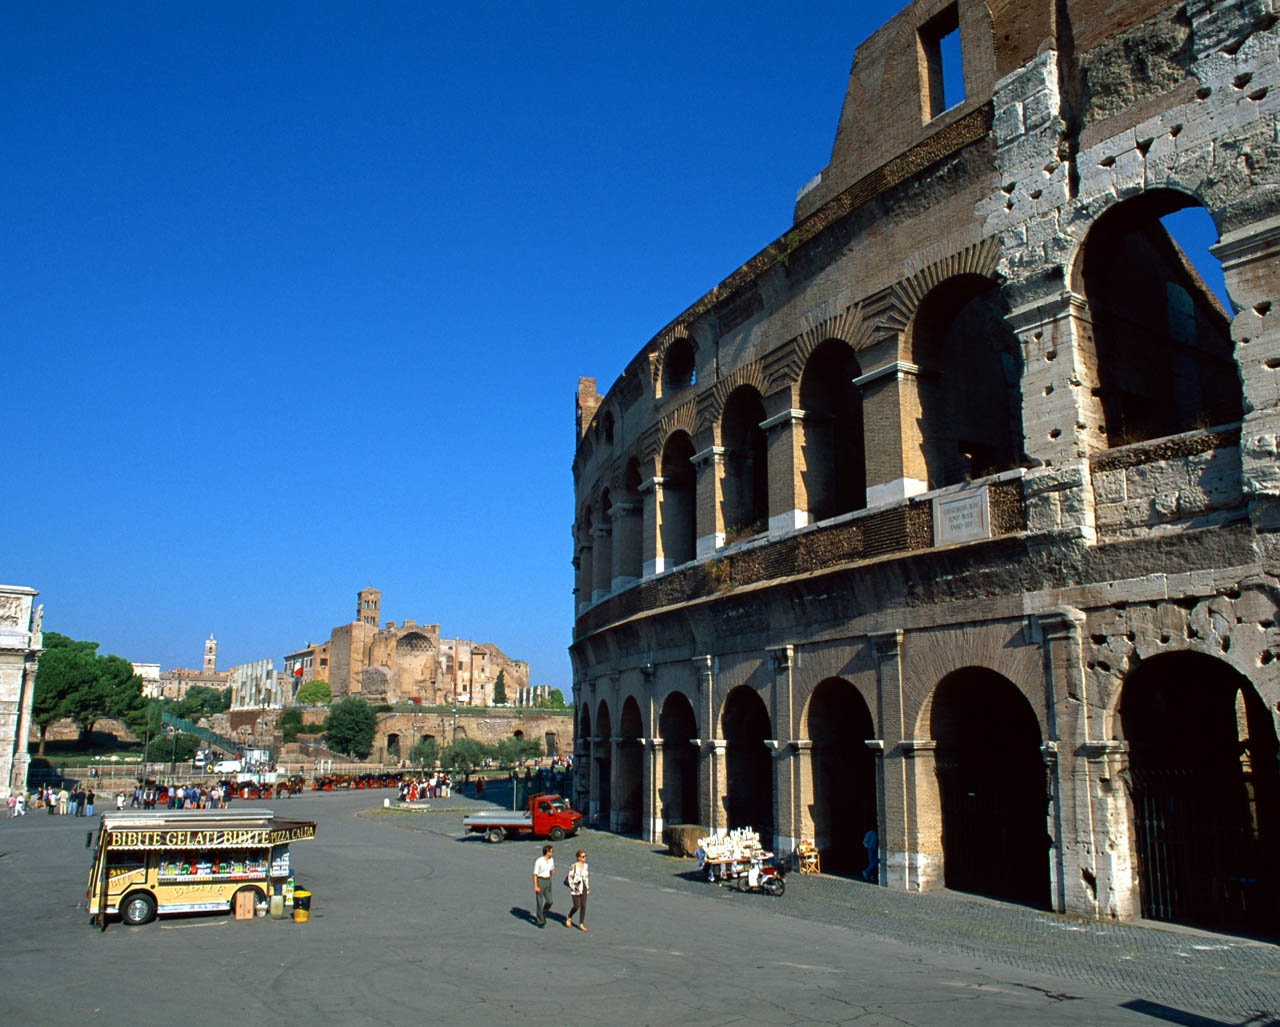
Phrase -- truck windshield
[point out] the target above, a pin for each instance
(560, 805)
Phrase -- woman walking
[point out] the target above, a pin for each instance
(579, 888)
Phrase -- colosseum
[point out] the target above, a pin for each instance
(953, 512)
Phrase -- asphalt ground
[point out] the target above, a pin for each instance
(413, 922)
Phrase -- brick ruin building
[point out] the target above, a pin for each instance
(954, 511)
(408, 662)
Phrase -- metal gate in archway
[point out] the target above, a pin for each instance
(1197, 854)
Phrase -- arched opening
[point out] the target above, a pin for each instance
(628, 541)
(628, 803)
(833, 452)
(602, 550)
(518, 734)
(1206, 793)
(677, 524)
(678, 368)
(745, 502)
(393, 747)
(586, 564)
(1161, 338)
(748, 766)
(970, 382)
(844, 775)
(679, 793)
(604, 764)
(606, 427)
(993, 788)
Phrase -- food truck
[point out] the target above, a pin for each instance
(189, 861)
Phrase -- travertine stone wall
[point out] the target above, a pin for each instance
(20, 643)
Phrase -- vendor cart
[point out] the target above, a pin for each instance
(737, 859)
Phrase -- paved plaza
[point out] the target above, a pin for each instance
(411, 922)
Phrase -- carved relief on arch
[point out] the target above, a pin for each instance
(785, 365)
(904, 296)
(749, 374)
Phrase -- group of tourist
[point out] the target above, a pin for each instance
(152, 796)
(434, 787)
(78, 802)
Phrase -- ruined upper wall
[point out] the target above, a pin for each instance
(889, 106)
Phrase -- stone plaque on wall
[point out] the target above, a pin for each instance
(961, 517)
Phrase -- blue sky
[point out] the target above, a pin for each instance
(297, 294)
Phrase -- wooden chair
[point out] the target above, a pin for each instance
(808, 859)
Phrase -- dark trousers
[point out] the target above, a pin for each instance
(542, 901)
(579, 907)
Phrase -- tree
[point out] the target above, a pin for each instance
(465, 754)
(85, 686)
(500, 689)
(62, 664)
(290, 725)
(179, 747)
(314, 693)
(553, 701)
(424, 753)
(349, 727)
(202, 700)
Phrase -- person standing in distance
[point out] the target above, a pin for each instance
(544, 868)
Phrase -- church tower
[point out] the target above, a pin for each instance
(369, 607)
(210, 655)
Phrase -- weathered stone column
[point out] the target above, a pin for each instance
(20, 645)
(653, 820)
(924, 863)
(708, 509)
(711, 779)
(788, 501)
(628, 544)
(801, 759)
(615, 762)
(787, 833)
(652, 557)
(602, 562)
(1070, 824)
(897, 869)
(593, 809)
(1250, 259)
(891, 403)
(1115, 877)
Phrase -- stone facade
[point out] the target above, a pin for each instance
(257, 686)
(406, 662)
(20, 645)
(953, 512)
(397, 733)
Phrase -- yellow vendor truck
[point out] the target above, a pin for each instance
(189, 861)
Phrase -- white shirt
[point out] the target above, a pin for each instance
(544, 866)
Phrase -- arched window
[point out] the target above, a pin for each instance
(678, 368)
(676, 511)
(746, 466)
(835, 472)
(1161, 339)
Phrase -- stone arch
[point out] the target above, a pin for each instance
(992, 792)
(746, 726)
(393, 746)
(677, 503)
(678, 794)
(629, 802)
(969, 381)
(837, 722)
(603, 770)
(745, 486)
(1156, 340)
(415, 666)
(1204, 791)
(832, 449)
(676, 365)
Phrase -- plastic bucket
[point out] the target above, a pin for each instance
(301, 906)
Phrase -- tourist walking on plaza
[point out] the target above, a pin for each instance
(579, 888)
(544, 868)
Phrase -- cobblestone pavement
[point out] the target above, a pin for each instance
(1218, 975)
(414, 922)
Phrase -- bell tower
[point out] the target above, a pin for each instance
(369, 607)
(210, 655)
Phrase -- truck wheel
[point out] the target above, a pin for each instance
(494, 835)
(138, 908)
(556, 834)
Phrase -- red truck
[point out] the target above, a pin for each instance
(548, 815)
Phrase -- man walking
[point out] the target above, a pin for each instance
(544, 868)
